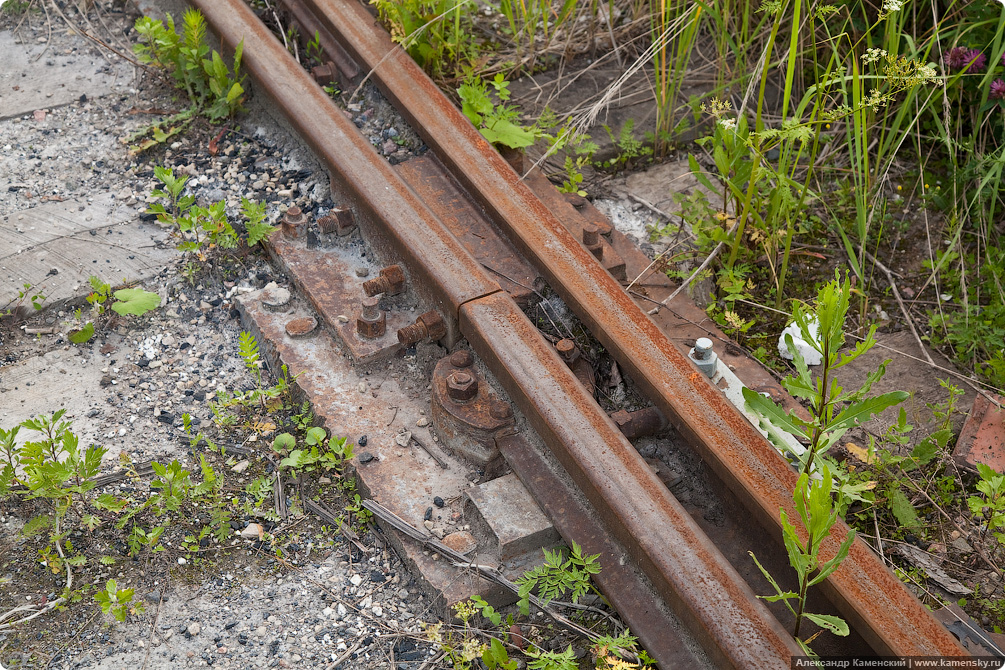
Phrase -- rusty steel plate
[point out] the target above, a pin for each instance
(327, 278)
(866, 592)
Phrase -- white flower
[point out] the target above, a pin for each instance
(873, 55)
(727, 124)
(891, 6)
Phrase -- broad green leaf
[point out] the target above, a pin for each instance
(82, 335)
(699, 174)
(985, 471)
(284, 441)
(509, 134)
(315, 435)
(832, 623)
(772, 412)
(860, 412)
(135, 301)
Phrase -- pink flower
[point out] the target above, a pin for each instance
(956, 58)
(997, 90)
(976, 61)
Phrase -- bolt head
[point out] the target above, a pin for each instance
(567, 350)
(461, 386)
(500, 411)
(461, 359)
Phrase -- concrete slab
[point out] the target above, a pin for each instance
(77, 239)
(505, 512)
(34, 77)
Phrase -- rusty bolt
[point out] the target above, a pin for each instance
(461, 386)
(294, 222)
(390, 282)
(500, 410)
(324, 74)
(338, 221)
(591, 238)
(428, 325)
(372, 322)
(568, 350)
(461, 359)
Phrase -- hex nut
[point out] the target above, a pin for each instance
(461, 386)
(294, 223)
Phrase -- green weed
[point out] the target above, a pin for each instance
(201, 73)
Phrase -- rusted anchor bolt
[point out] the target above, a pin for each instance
(338, 221)
(500, 411)
(591, 238)
(461, 359)
(428, 325)
(568, 350)
(461, 386)
(372, 322)
(390, 282)
(324, 74)
(703, 356)
(294, 222)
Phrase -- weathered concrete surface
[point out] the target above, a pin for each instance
(36, 77)
(77, 239)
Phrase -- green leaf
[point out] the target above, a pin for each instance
(509, 134)
(495, 656)
(830, 566)
(107, 501)
(928, 448)
(699, 174)
(860, 412)
(284, 441)
(315, 436)
(772, 412)
(135, 301)
(834, 624)
(82, 335)
(902, 509)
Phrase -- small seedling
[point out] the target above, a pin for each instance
(118, 602)
(818, 515)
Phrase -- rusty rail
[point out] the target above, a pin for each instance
(689, 572)
(869, 595)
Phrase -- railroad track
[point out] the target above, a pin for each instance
(449, 223)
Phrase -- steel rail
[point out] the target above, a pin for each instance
(691, 575)
(868, 594)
